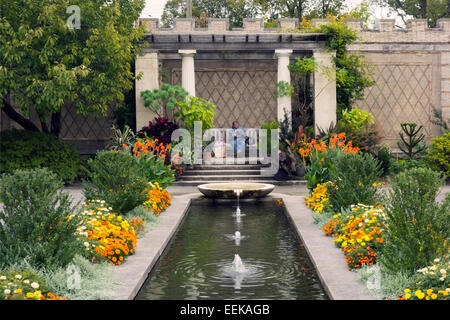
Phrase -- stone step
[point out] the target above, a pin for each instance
(271, 181)
(230, 161)
(221, 172)
(223, 177)
(226, 167)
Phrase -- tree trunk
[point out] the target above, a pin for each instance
(291, 10)
(44, 126)
(55, 125)
(423, 9)
(9, 110)
(300, 10)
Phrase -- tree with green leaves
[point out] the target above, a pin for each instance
(432, 10)
(299, 8)
(46, 63)
(234, 10)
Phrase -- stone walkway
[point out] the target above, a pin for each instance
(76, 190)
(292, 190)
(77, 193)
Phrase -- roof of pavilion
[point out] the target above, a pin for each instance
(218, 36)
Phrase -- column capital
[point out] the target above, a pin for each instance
(283, 52)
(187, 53)
(323, 51)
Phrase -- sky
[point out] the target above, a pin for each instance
(154, 9)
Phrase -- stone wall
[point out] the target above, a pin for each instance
(411, 66)
(88, 133)
(411, 70)
(241, 90)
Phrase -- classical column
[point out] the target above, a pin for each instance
(324, 90)
(147, 66)
(188, 70)
(283, 103)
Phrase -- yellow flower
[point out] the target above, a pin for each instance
(18, 291)
(419, 294)
(434, 296)
(407, 290)
(407, 296)
(429, 291)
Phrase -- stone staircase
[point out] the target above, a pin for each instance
(217, 173)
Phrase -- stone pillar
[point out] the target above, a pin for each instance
(324, 90)
(147, 66)
(188, 70)
(445, 84)
(284, 103)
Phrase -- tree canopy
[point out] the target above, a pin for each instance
(45, 64)
(432, 10)
(236, 10)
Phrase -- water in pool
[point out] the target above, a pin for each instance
(218, 254)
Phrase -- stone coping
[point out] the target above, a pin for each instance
(328, 260)
(129, 277)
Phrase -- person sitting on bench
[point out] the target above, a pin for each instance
(237, 138)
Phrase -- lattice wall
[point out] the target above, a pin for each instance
(402, 94)
(243, 95)
(80, 127)
(87, 133)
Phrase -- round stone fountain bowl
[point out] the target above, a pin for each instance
(226, 190)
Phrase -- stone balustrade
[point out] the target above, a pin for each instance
(415, 31)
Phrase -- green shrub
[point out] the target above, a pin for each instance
(165, 99)
(438, 154)
(269, 125)
(156, 170)
(22, 149)
(117, 178)
(417, 227)
(405, 164)
(356, 119)
(384, 156)
(196, 109)
(37, 222)
(354, 180)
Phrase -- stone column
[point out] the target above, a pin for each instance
(147, 66)
(324, 90)
(188, 70)
(284, 103)
(445, 85)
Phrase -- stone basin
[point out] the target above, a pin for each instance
(226, 190)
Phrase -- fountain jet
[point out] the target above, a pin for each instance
(238, 265)
(238, 192)
(237, 238)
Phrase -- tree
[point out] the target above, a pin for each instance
(234, 10)
(323, 8)
(432, 10)
(46, 65)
